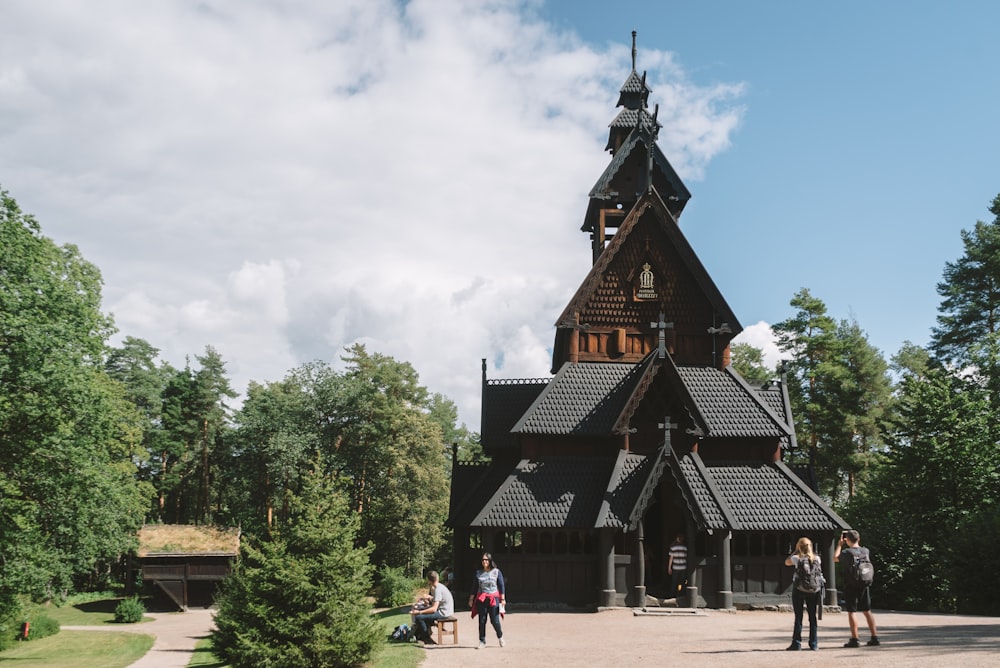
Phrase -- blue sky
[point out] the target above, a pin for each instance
(280, 182)
(869, 140)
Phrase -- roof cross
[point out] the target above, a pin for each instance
(662, 325)
(666, 426)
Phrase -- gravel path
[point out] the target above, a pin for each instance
(620, 637)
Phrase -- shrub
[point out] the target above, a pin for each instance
(41, 626)
(397, 589)
(130, 611)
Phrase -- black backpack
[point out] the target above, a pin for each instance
(808, 575)
(860, 572)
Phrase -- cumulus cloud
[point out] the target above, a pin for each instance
(760, 335)
(281, 181)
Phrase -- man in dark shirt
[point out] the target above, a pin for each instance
(857, 597)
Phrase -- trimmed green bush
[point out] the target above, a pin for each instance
(396, 588)
(41, 626)
(130, 611)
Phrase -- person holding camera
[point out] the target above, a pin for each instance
(857, 592)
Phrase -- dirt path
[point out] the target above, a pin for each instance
(711, 638)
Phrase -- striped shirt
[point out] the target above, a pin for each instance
(679, 554)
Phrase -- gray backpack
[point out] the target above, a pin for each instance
(808, 575)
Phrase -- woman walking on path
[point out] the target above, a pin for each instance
(489, 598)
(806, 587)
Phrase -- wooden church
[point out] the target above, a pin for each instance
(644, 431)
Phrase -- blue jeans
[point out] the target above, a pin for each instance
(810, 602)
(484, 608)
(422, 622)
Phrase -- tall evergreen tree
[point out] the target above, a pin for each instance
(277, 436)
(378, 431)
(299, 600)
(840, 392)
(195, 417)
(938, 475)
(967, 334)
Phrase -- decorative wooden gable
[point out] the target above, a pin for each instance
(647, 270)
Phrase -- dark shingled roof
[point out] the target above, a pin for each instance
(631, 477)
(472, 485)
(775, 395)
(751, 496)
(557, 492)
(504, 402)
(636, 141)
(573, 492)
(729, 406)
(583, 398)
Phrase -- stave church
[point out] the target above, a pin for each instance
(644, 431)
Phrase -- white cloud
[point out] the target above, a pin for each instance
(280, 181)
(760, 335)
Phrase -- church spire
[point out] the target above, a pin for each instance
(633, 97)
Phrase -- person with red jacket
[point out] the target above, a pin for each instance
(489, 597)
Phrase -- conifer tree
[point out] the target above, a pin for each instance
(299, 599)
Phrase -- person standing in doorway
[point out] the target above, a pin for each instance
(677, 567)
(489, 597)
(857, 594)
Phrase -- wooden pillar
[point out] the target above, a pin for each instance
(574, 340)
(639, 588)
(831, 572)
(607, 595)
(724, 596)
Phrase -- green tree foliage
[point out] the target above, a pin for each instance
(840, 392)
(194, 419)
(134, 365)
(937, 478)
(379, 436)
(377, 429)
(69, 438)
(299, 599)
(968, 330)
(276, 436)
(748, 361)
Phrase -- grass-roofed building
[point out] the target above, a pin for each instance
(644, 431)
(186, 563)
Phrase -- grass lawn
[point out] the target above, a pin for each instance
(83, 612)
(391, 655)
(71, 649)
(104, 649)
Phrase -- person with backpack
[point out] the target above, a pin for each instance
(858, 576)
(807, 585)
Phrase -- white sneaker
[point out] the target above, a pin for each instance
(501, 642)
(481, 645)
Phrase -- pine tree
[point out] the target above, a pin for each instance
(299, 599)
(968, 331)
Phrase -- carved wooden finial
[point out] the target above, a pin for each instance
(633, 51)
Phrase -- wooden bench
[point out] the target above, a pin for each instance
(443, 625)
